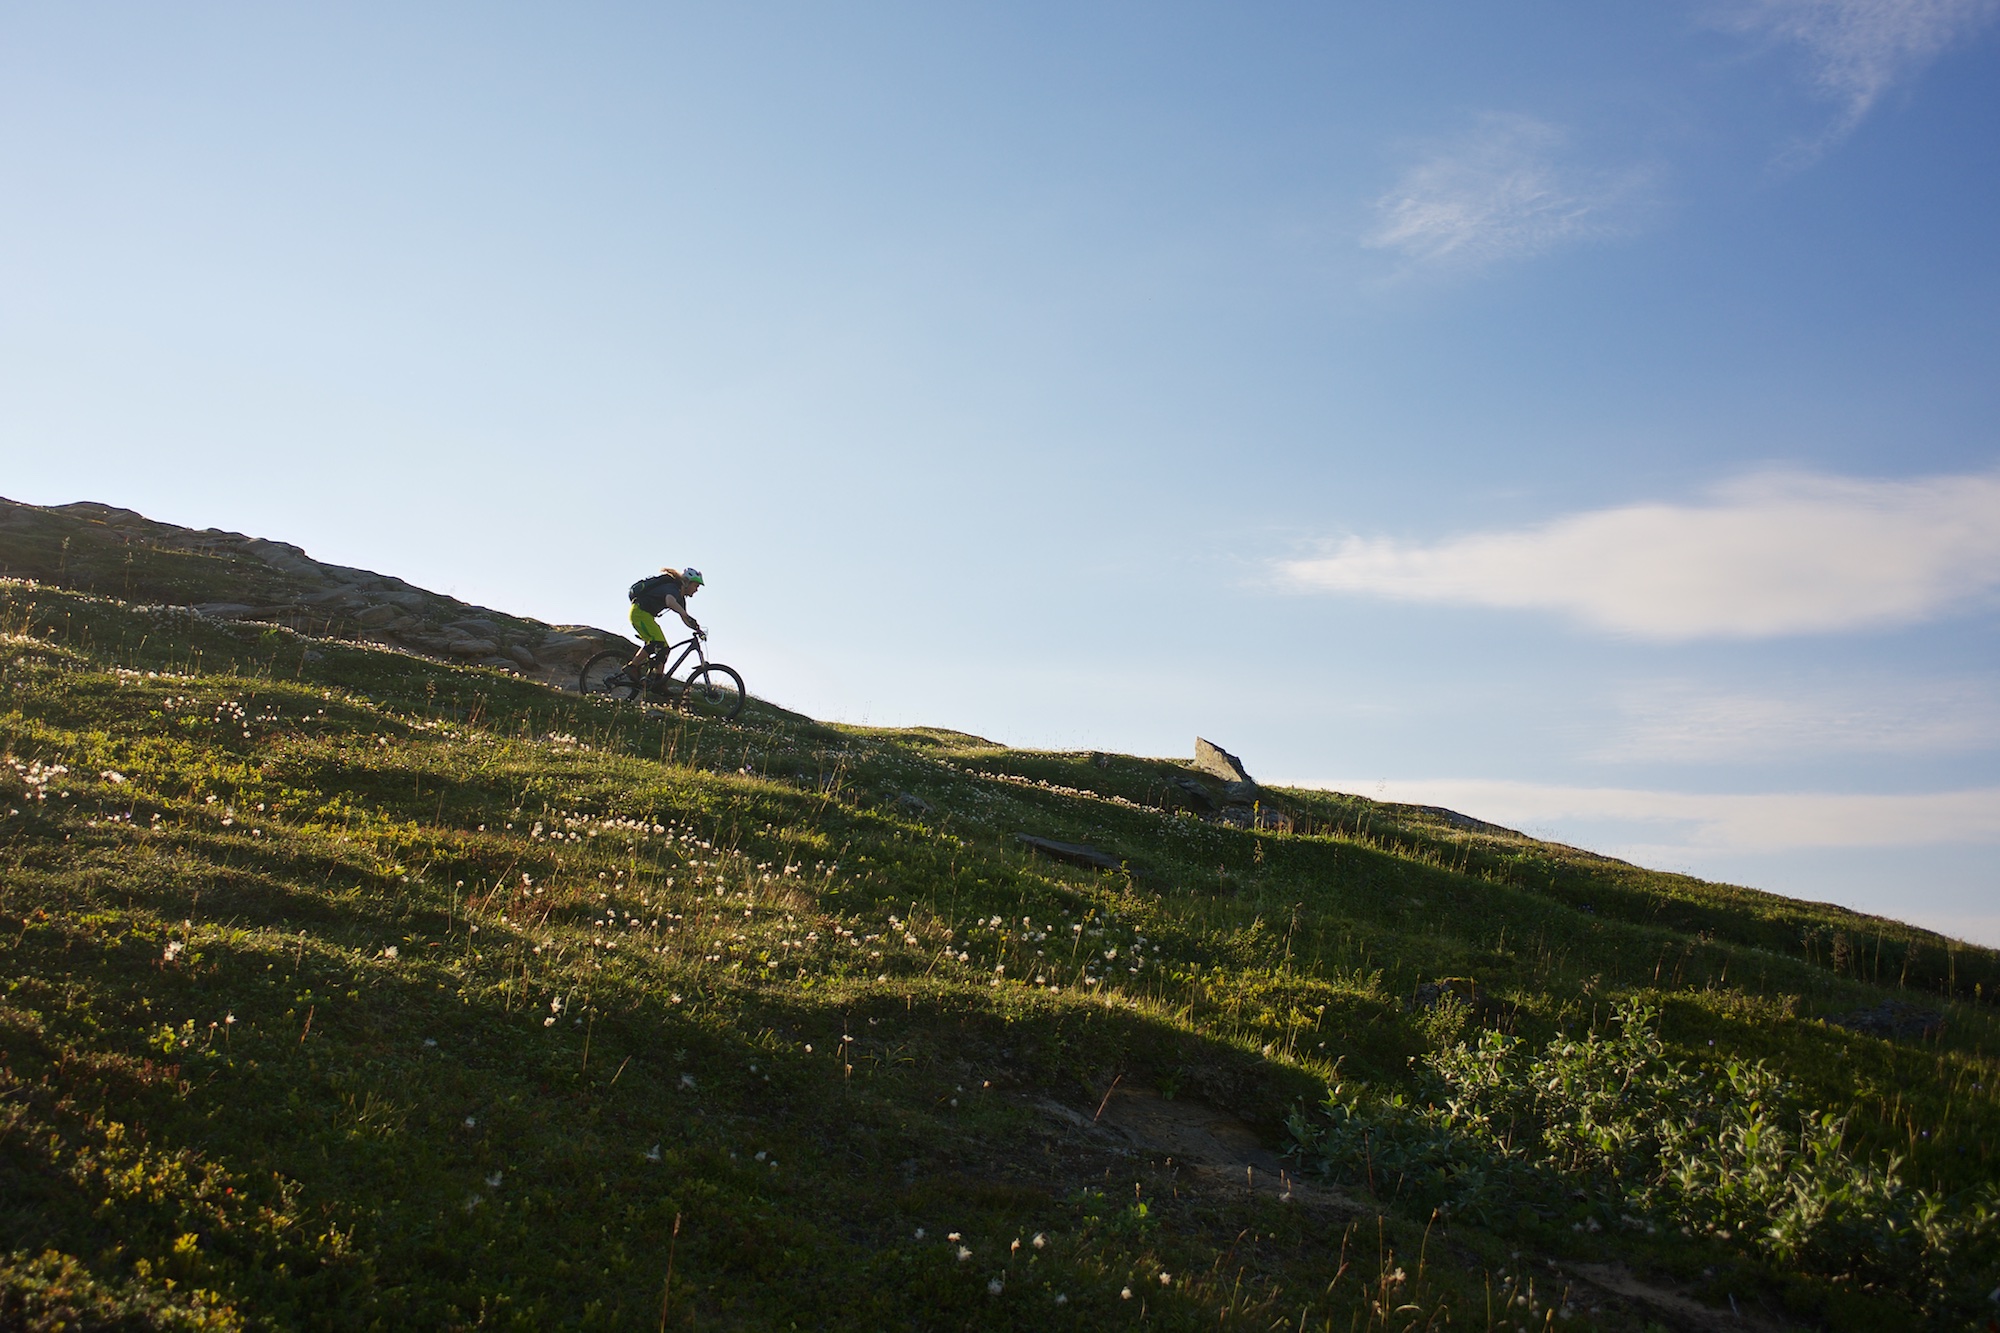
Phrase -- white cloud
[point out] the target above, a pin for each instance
(1656, 827)
(1859, 49)
(1502, 192)
(1678, 723)
(1772, 555)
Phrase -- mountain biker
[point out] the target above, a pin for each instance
(667, 590)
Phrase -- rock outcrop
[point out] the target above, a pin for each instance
(227, 575)
(1243, 803)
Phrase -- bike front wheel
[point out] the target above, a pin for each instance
(714, 691)
(605, 674)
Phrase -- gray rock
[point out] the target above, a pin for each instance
(1892, 1019)
(472, 647)
(225, 610)
(377, 617)
(284, 556)
(522, 657)
(335, 597)
(478, 629)
(1466, 822)
(1256, 816)
(1077, 853)
(1199, 796)
(1212, 758)
(1431, 994)
(501, 664)
(914, 803)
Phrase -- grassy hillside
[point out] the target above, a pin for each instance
(347, 988)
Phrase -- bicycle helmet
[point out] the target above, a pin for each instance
(692, 577)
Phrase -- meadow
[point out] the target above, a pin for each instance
(346, 988)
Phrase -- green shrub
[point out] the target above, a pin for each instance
(1607, 1131)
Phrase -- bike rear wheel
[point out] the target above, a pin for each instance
(714, 691)
(605, 674)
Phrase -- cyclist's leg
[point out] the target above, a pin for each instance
(652, 639)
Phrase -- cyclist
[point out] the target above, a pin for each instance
(667, 590)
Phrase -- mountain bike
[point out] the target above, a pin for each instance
(711, 689)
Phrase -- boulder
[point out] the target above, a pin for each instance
(377, 617)
(1892, 1019)
(1464, 990)
(225, 610)
(472, 647)
(1076, 853)
(1213, 759)
(521, 656)
(1256, 816)
(1198, 796)
(501, 664)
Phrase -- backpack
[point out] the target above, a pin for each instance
(651, 593)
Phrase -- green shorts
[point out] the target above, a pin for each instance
(648, 628)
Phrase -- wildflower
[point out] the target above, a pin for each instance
(1061, 1299)
(550, 1021)
(994, 1287)
(687, 1081)
(952, 1236)
(173, 951)
(1166, 1279)
(229, 1020)
(1125, 1294)
(470, 1122)
(653, 1153)
(430, 1043)
(963, 1254)
(493, 1181)
(391, 953)
(920, 1233)
(1040, 1241)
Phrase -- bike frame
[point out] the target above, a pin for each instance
(690, 646)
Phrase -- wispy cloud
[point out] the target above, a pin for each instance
(1510, 188)
(1656, 827)
(1859, 49)
(1776, 554)
(1676, 722)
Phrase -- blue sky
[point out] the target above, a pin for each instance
(1581, 415)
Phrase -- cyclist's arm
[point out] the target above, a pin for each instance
(679, 608)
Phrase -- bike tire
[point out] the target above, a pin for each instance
(604, 676)
(715, 692)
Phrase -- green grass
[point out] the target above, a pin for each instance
(348, 989)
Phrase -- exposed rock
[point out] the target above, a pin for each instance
(1245, 804)
(1257, 815)
(1431, 994)
(914, 803)
(1076, 853)
(1458, 821)
(1198, 795)
(1212, 758)
(1892, 1019)
(89, 545)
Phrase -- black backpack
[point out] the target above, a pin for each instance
(651, 593)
